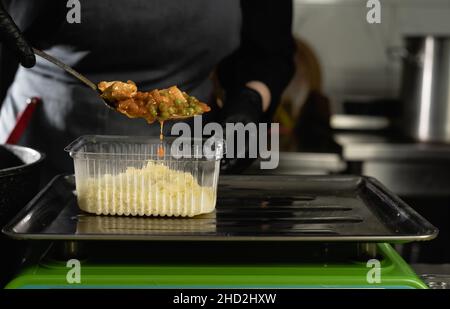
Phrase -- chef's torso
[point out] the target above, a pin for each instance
(156, 43)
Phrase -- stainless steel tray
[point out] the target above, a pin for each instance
(249, 208)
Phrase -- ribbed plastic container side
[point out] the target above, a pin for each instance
(129, 179)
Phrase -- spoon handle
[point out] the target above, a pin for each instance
(66, 68)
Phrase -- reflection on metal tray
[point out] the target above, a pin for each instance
(281, 208)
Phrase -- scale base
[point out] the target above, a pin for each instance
(235, 270)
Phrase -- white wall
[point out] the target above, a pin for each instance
(352, 52)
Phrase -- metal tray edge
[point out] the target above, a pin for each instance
(371, 181)
(8, 229)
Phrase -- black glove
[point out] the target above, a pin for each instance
(11, 36)
(243, 107)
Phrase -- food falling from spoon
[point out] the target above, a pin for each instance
(161, 151)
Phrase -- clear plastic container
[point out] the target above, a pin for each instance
(131, 176)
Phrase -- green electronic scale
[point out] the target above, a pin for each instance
(266, 232)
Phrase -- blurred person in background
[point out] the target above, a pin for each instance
(304, 111)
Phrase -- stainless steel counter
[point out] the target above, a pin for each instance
(364, 151)
(303, 163)
(436, 276)
(408, 169)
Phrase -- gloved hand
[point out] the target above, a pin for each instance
(11, 36)
(244, 106)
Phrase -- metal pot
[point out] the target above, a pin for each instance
(19, 184)
(426, 89)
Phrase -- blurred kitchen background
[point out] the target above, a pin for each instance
(352, 110)
(346, 112)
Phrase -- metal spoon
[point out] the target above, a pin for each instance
(85, 80)
(72, 72)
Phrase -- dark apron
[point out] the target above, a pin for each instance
(157, 43)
